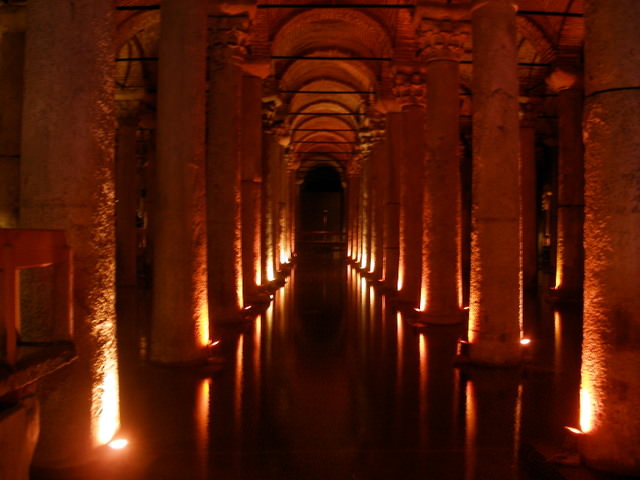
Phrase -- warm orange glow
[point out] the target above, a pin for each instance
(400, 283)
(422, 348)
(270, 273)
(423, 299)
(525, 341)
(258, 267)
(202, 325)
(106, 402)
(363, 261)
(473, 321)
(586, 409)
(372, 266)
(574, 430)
(239, 373)
(284, 257)
(118, 443)
(202, 412)
(470, 432)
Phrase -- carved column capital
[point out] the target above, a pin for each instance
(441, 39)
(292, 161)
(564, 77)
(227, 39)
(409, 84)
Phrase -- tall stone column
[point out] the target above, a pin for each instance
(12, 42)
(270, 156)
(66, 175)
(393, 152)
(494, 323)
(611, 342)
(292, 207)
(126, 193)
(354, 170)
(441, 44)
(224, 228)
(251, 205)
(529, 192)
(179, 247)
(409, 91)
(570, 201)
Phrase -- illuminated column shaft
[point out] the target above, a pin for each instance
(411, 185)
(67, 183)
(392, 200)
(11, 71)
(441, 282)
(251, 185)
(179, 251)
(353, 217)
(611, 349)
(365, 214)
(529, 196)
(494, 328)
(292, 208)
(126, 194)
(271, 154)
(570, 204)
(224, 229)
(378, 196)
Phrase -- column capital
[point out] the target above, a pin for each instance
(227, 39)
(441, 39)
(292, 161)
(564, 77)
(354, 167)
(409, 84)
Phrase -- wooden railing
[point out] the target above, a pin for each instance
(22, 249)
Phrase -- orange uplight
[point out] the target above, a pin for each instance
(106, 403)
(525, 341)
(118, 443)
(586, 409)
(202, 325)
(574, 430)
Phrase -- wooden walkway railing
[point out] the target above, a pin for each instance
(22, 249)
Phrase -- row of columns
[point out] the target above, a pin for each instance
(503, 208)
(221, 233)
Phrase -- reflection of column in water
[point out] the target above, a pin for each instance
(238, 389)
(493, 421)
(257, 352)
(470, 452)
(422, 394)
(202, 412)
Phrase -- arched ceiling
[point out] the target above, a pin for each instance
(331, 58)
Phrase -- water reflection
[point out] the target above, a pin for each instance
(331, 382)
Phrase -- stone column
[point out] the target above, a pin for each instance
(292, 207)
(393, 152)
(126, 193)
(441, 293)
(378, 210)
(494, 323)
(409, 91)
(354, 170)
(251, 146)
(66, 174)
(529, 193)
(12, 41)
(270, 155)
(179, 246)
(223, 168)
(611, 342)
(570, 200)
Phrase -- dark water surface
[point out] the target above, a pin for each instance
(332, 383)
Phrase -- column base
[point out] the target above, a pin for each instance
(432, 318)
(491, 353)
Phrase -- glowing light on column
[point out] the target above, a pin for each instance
(202, 412)
(423, 299)
(202, 325)
(106, 401)
(400, 283)
(470, 432)
(270, 273)
(586, 408)
(372, 265)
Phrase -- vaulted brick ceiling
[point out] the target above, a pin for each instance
(329, 64)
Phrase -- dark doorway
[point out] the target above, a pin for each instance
(322, 206)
